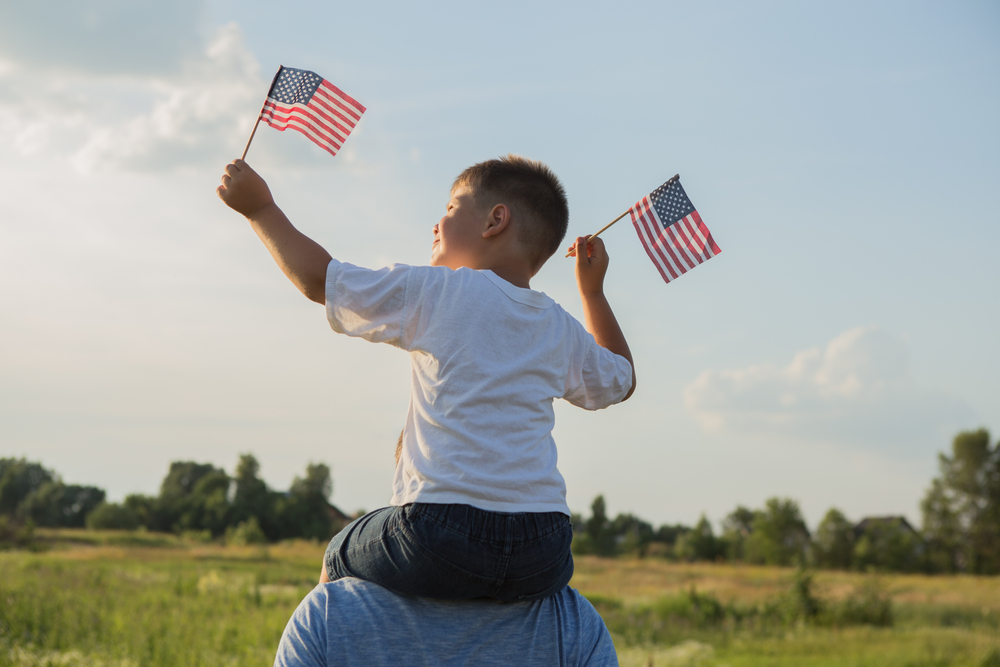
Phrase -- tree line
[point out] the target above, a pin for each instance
(195, 499)
(960, 530)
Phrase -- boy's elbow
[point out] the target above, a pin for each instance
(315, 291)
(632, 389)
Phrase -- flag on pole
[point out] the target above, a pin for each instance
(308, 103)
(671, 230)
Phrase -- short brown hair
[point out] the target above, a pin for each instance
(531, 190)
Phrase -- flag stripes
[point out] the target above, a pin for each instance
(675, 246)
(326, 115)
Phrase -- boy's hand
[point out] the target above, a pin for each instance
(243, 190)
(591, 265)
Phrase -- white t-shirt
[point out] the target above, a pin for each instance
(487, 359)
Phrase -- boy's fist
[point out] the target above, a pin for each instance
(591, 264)
(243, 190)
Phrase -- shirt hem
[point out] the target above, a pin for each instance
(488, 505)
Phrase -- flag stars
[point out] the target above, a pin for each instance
(671, 203)
(295, 86)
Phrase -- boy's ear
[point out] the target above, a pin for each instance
(497, 220)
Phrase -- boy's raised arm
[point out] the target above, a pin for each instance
(300, 258)
(598, 318)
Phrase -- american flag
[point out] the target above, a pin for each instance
(308, 103)
(671, 230)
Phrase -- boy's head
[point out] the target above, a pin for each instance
(533, 194)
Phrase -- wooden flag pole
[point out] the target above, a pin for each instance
(260, 114)
(572, 252)
(598, 232)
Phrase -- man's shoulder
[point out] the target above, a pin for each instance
(375, 626)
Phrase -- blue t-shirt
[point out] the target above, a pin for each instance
(350, 622)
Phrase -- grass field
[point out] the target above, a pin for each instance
(117, 599)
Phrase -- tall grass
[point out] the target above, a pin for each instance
(125, 600)
(207, 610)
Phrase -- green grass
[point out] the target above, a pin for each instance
(150, 606)
(710, 614)
(128, 599)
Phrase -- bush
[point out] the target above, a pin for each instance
(699, 610)
(869, 604)
(674, 617)
(15, 533)
(246, 532)
(112, 516)
(197, 536)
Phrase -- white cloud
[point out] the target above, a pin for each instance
(858, 390)
(101, 36)
(202, 114)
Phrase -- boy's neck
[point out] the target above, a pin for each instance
(516, 276)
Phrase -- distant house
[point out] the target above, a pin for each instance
(877, 525)
(888, 543)
(337, 516)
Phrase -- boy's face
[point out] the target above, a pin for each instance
(459, 233)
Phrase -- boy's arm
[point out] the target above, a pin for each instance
(300, 258)
(598, 318)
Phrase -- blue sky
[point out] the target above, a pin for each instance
(845, 156)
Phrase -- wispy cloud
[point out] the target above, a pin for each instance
(138, 37)
(99, 119)
(857, 390)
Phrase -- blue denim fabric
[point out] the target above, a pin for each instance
(456, 552)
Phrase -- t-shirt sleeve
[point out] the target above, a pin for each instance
(366, 303)
(597, 376)
(602, 652)
(304, 641)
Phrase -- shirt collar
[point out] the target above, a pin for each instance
(528, 297)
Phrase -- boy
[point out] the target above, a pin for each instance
(478, 506)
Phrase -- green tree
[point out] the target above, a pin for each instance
(602, 540)
(305, 510)
(58, 505)
(736, 528)
(632, 535)
(207, 506)
(668, 534)
(182, 477)
(699, 543)
(18, 479)
(778, 535)
(833, 544)
(112, 516)
(964, 501)
(146, 511)
(942, 529)
(316, 483)
(252, 498)
(193, 497)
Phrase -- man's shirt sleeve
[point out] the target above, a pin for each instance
(304, 641)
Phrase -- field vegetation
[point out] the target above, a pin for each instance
(117, 598)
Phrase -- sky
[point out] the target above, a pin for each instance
(845, 156)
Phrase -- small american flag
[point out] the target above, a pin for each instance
(671, 230)
(308, 103)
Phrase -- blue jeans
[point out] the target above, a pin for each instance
(456, 552)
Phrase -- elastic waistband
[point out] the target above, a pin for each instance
(483, 524)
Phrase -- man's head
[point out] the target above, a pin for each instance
(531, 193)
